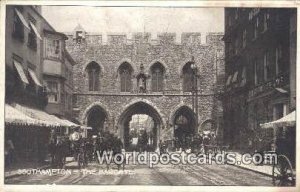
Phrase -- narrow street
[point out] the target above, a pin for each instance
(211, 175)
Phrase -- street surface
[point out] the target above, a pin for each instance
(96, 174)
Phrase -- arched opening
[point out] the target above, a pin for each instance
(139, 127)
(188, 77)
(93, 74)
(96, 118)
(125, 72)
(184, 122)
(157, 73)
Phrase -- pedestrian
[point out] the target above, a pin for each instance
(9, 152)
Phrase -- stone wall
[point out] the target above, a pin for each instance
(141, 49)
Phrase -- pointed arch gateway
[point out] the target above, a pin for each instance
(139, 107)
(184, 121)
(96, 117)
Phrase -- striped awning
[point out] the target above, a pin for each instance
(21, 17)
(286, 121)
(34, 77)
(14, 116)
(21, 72)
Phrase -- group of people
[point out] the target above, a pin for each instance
(83, 150)
(196, 143)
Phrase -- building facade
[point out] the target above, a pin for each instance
(260, 65)
(116, 79)
(26, 78)
(58, 74)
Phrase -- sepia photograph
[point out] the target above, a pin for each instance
(100, 95)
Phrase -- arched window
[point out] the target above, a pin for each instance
(125, 71)
(157, 71)
(93, 72)
(187, 78)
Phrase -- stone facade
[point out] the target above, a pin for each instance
(141, 49)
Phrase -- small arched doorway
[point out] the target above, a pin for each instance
(96, 118)
(184, 121)
(151, 128)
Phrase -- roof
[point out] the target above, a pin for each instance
(56, 33)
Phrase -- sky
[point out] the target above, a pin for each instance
(135, 19)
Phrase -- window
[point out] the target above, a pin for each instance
(267, 66)
(258, 72)
(256, 24)
(18, 26)
(32, 37)
(93, 72)
(244, 38)
(236, 46)
(278, 60)
(80, 36)
(53, 48)
(70, 102)
(53, 92)
(188, 78)
(266, 20)
(157, 77)
(236, 16)
(125, 71)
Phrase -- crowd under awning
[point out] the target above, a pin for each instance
(25, 115)
(286, 121)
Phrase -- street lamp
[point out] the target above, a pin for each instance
(195, 89)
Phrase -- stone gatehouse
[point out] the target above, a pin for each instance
(124, 76)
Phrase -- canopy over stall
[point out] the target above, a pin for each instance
(27, 115)
(286, 121)
(14, 116)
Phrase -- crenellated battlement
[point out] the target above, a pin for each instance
(186, 38)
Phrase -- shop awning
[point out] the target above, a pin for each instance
(34, 77)
(286, 121)
(21, 71)
(22, 19)
(85, 127)
(35, 30)
(42, 115)
(14, 116)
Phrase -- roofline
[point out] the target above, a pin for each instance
(57, 33)
(31, 6)
(69, 57)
